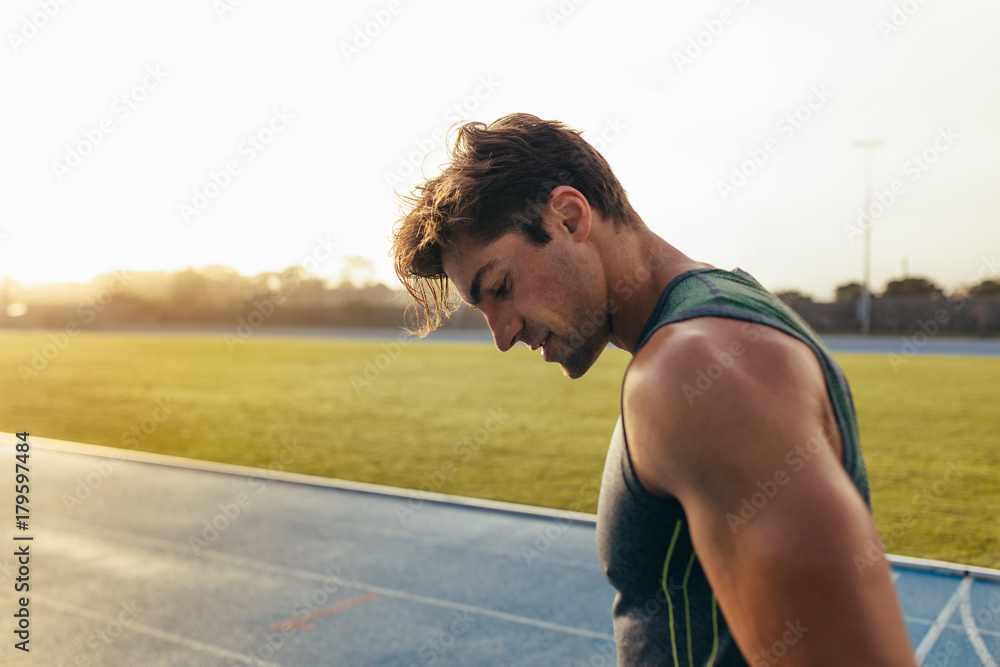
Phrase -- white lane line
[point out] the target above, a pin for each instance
(937, 627)
(135, 626)
(969, 623)
(250, 563)
(949, 626)
(8, 440)
(503, 616)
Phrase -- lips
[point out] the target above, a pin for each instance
(535, 346)
(546, 352)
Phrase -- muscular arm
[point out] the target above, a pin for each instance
(792, 563)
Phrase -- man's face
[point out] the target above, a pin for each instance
(550, 297)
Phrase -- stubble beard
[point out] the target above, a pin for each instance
(590, 328)
(583, 350)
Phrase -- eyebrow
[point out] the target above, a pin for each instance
(474, 289)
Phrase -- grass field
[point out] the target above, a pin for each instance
(464, 419)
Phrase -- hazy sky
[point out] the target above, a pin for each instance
(262, 134)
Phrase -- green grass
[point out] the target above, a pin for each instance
(424, 420)
(931, 438)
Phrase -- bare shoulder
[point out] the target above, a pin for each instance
(714, 412)
(699, 385)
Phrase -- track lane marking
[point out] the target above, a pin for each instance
(149, 631)
(250, 563)
(969, 624)
(937, 627)
(300, 623)
(949, 626)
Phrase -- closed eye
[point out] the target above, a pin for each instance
(503, 290)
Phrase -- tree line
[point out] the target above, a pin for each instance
(220, 296)
(902, 288)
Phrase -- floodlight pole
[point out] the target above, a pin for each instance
(866, 302)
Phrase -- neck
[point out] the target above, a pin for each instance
(638, 266)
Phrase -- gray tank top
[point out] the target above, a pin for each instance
(665, 612)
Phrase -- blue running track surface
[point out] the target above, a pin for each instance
(144, 560)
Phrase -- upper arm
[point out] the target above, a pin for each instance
(776, 521)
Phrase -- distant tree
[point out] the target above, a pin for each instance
(849, 291)
(357, 272)
(190, 288)
(292, 278)
(263, 283)
(152, 286)
(912, 287)
(986, 288)
(357, 313)
(226, 286)
(792, 295)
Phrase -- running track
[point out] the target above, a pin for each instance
(147, 560)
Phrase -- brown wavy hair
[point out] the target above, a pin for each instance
(499, 178)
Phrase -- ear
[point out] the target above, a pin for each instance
(572, 211)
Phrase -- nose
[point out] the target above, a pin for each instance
(505, 325)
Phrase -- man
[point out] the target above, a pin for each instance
(734, 514)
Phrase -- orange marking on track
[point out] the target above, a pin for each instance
(300, 623)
